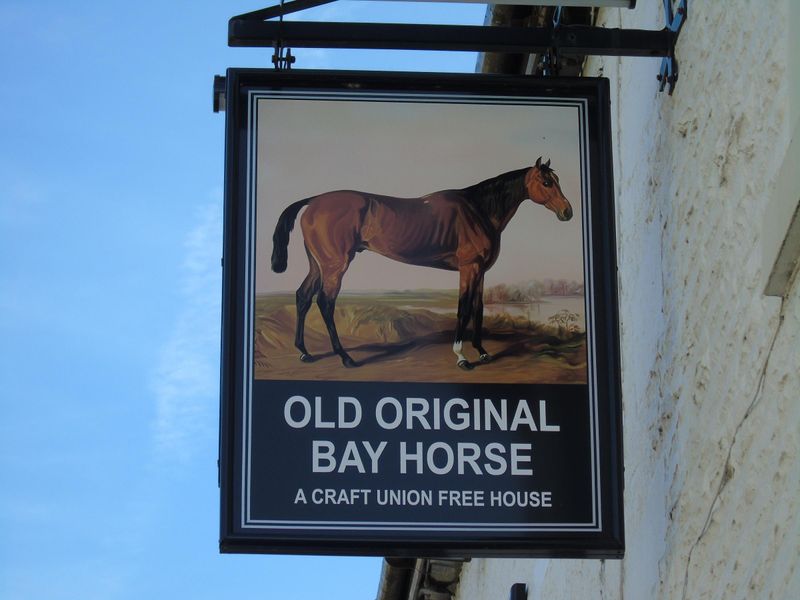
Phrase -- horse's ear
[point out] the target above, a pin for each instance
(547, 164)
(539, 162)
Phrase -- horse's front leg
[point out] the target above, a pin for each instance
(466, 299)
(477, 335)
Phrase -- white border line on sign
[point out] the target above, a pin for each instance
(252, 150)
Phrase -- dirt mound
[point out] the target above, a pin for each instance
(355, 321)
(391, 338)
(388, 324)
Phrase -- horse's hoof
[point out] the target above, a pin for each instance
(306, 358)
(349, 362)
(485, 358)
(463, 364)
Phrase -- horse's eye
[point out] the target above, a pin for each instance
(547, 183)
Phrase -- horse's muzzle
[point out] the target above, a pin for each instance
(565, 215)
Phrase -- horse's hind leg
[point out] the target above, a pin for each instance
(303, 299)
(331, 232)
(326, 300)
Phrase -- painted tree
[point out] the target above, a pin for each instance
(565, 320)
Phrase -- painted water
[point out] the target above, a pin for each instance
(539, 311)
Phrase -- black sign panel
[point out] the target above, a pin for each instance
(420, 351)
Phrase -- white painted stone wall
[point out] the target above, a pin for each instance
(711, 366)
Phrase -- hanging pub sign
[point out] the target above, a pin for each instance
(420, 349)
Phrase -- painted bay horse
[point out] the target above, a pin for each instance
(456, 230)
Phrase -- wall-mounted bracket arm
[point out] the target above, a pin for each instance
(668, 75)
(279, 10)
(282, 56)
(253, 30)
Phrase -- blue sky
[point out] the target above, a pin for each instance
(110, 237)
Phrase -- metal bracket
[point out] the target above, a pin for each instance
(282, 56)
(284, 8)
(219, 94)
(519, 591)
(668, 75)
(550, 58)
(254, 30)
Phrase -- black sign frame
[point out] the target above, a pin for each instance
(606, 539)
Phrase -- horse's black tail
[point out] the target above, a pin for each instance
(280, 239)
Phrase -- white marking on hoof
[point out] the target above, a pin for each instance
(459, 357)
(484, 358)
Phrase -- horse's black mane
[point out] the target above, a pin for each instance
(495, 196)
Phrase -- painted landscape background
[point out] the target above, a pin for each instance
(398, 320)
(535, 332)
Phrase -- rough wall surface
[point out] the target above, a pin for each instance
(711, 366)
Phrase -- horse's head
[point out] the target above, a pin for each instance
(542, 185)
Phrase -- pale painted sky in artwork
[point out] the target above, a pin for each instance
(410, 149)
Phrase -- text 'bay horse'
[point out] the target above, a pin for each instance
(457, 230)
